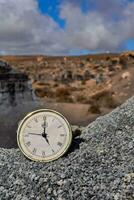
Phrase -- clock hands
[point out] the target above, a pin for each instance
(44, 127)
(34, 134)
(44, 134)
(45, 137)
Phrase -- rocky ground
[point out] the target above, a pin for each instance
(102, 82)
(98, 166)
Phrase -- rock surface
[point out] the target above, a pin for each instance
(16, 99)
(98, 166)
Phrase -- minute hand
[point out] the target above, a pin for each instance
(34, 134)
(45, 137)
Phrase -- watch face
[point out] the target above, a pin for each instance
(44, 135)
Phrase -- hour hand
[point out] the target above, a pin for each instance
(47, 140)
(45, 137)
(44, 124)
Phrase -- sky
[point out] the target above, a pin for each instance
(66, 27)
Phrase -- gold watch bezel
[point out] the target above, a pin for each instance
(68, 143)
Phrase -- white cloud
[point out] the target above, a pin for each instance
(24, 30)
(99, 29)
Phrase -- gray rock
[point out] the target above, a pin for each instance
(88, 75)
(99, 167)
(66, 76)
(4, 67)
(16, 98)
(78, 77)
(99, 78)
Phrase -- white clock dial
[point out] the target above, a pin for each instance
(44, 135)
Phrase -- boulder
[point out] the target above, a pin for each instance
(88, 75)
(4, 67)
(40, 59)
(126, 75)
(78, 77)
(100, 78)
(66, 76)
(16, 100)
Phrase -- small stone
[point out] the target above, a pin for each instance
(49, 190)
(128, 177)
(62, 176)
(24, 198)
(60, 183)
(33, 177)
(116, 196)
(18, 182)
(126, 75)
(54, 192)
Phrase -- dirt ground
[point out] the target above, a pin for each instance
(89, 85)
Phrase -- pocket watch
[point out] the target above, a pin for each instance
(44, 135)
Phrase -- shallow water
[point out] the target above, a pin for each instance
(11, 115)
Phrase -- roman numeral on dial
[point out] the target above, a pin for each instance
(59, 126)
(34, 151)
(59, 144)
(62, 135)
(36, 120)
(43, 154)
(26, 135)
(28, 144)
(28, 126)
(53, 119)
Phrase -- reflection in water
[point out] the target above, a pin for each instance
(11, 91)
(16, 100)
(14, 92)
(15, 86)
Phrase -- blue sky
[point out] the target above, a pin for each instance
(52, 8)
(66, 27)
(130, 44)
